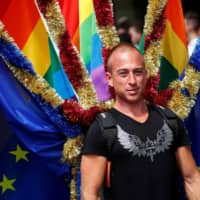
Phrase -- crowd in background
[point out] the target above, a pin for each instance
(132, 32)
(129, 32)
(192, 26)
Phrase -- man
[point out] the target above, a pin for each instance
(192, 25)
(145, 152)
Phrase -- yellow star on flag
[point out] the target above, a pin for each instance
(7, 184)
(20, 154)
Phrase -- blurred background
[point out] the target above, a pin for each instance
(129, 17)
(136, 9)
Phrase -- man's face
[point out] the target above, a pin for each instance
(127, 75)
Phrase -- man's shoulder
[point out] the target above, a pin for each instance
(106, 119)
(169, 116)
(165, 111)
(102, 119)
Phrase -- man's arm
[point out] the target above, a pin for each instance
(189, 171)
(93, 169)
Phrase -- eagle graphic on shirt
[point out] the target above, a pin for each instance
(148, 148)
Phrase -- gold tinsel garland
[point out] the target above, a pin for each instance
(55, 21)
(108, 32)
(154, 10)
(152, 58)
(72, 150)
(152, 53)
(180, 103)
(108, 35)
(37, 85)
(34, 83)
(86, 92)
(73, 189)
(4, 34)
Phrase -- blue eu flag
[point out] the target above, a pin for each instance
(30, 147)
(193, 125)
(192, 122)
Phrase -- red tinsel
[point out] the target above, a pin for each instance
(68, 55)
(152, 95)
(158, 29)
(105, 53)
(72, 66)
(76, 114)
(70, 61)
(163, 97)
(43, 4)
(151, 90)
(103, 12)
(104, 16)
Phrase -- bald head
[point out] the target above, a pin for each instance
(118, 51)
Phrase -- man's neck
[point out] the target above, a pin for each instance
(137, 110)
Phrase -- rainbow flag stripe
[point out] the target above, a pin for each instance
(23, 22)
(174, 44)
(70, 11)
(90, 48)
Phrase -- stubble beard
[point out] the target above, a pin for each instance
(131, 100)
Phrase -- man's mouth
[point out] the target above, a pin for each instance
(133, 91)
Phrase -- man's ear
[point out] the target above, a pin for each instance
(109, 79)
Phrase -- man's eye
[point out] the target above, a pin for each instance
(139, 72)
(122, 74)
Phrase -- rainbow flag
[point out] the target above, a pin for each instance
(80, 20)
(90, 48)
(70, 11)
(23, 22)
(174, 44)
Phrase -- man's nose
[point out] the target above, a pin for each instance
(131, 78)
